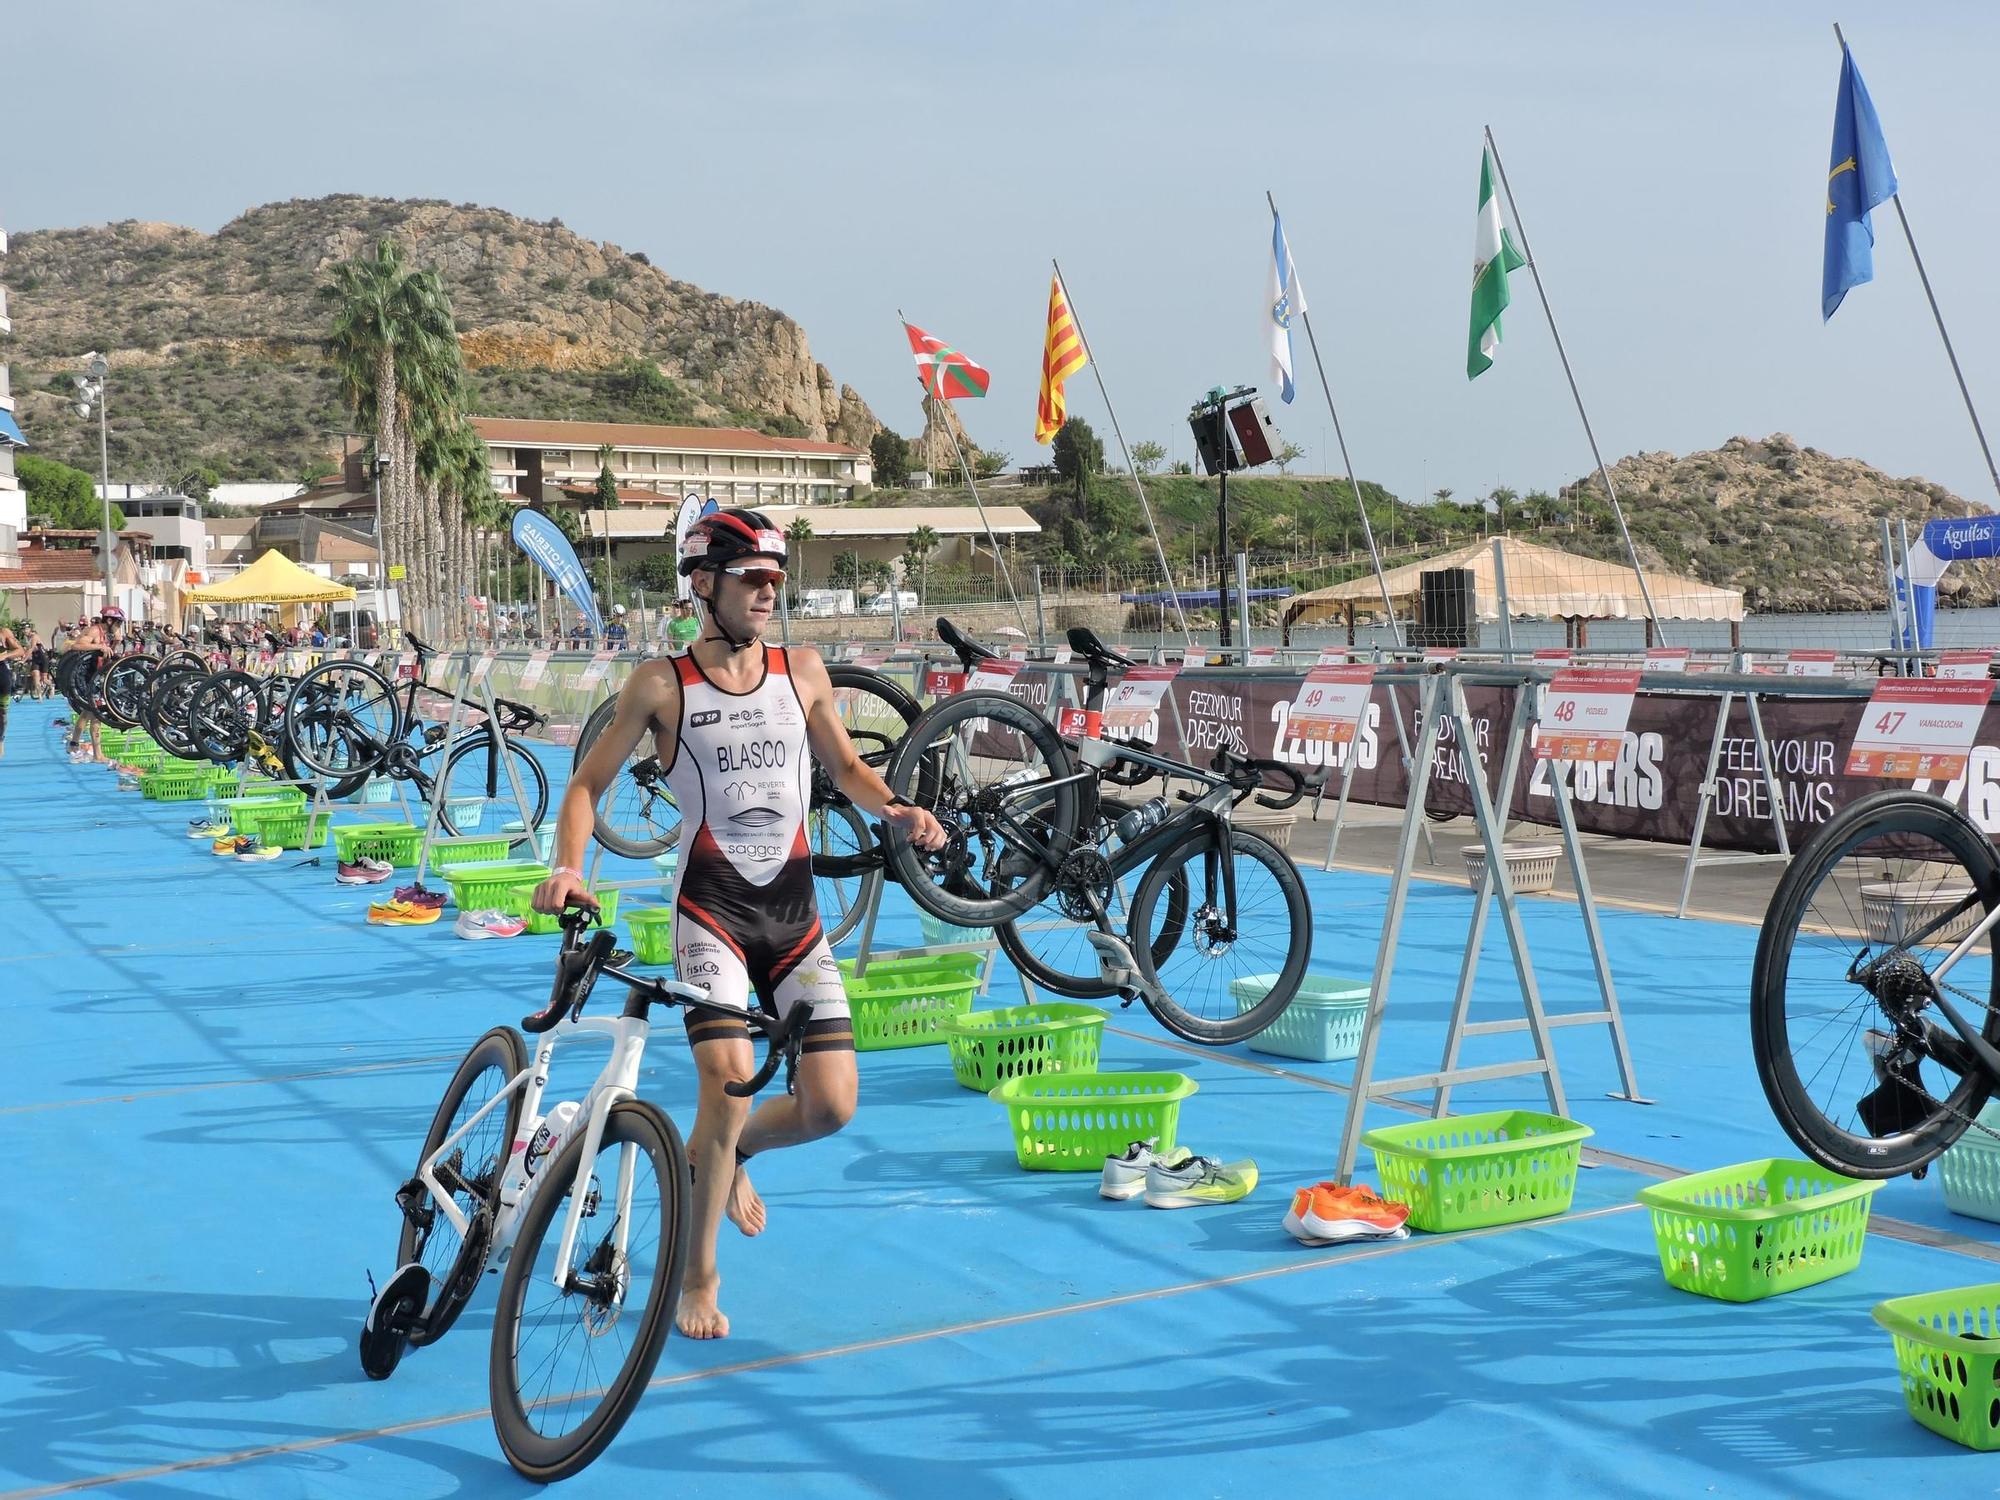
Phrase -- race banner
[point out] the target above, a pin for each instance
(539, 536)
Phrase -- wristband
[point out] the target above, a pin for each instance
(566, 870)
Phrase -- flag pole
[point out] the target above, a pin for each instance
(966, 469)
(1145, 508)
(1937, 316)
(1548, 312)
(1353, 485)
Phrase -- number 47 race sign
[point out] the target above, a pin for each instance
(1917, 727)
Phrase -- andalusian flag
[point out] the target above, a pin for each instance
(1062, 357)
(1493, 256)
(941, 370)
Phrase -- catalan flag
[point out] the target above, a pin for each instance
(1062, 357)
(942, 370)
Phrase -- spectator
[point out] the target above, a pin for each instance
(683, 628)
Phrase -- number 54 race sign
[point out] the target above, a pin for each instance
(1917, 726)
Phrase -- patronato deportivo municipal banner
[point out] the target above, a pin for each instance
(1651, 791)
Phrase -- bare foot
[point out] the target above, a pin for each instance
(698, 1316)
(745, 1208)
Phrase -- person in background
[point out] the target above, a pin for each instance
(13, 675)
(683, 628)
(614, 630)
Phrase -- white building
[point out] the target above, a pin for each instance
(13, 503)
(729, 464)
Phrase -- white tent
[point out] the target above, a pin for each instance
(1543, 583)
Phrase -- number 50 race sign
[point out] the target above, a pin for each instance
(1915, 727)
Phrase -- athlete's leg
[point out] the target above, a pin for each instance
(722, 1055)
(827, 1085)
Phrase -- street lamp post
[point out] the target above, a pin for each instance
(90, 392)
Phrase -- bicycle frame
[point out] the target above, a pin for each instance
(617, 1081)
(1988, 1057)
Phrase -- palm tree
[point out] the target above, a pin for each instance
(607, 501)
(796, 536)
(1503, 500)
(921, 544)
(368, 323)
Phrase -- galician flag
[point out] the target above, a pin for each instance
(941, 370)
(1493, 256)
(1285, 300)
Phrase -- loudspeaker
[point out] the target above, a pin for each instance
(1206, 430)
(1257, 440)
(1446, 608)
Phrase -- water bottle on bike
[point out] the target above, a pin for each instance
(1143, 819)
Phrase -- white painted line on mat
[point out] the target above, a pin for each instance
(813, 1356)
(232, 1083)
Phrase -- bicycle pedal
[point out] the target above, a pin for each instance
(1115, 964)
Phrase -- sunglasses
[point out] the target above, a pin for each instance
(757, 577)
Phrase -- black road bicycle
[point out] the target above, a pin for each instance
(1217, 934)
(344, 719)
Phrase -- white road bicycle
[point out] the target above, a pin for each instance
(584, 1310)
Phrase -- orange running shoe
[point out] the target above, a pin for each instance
(1328, 1214)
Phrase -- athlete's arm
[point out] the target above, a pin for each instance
(650, 700)
(854, 776)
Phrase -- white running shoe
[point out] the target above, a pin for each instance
(475, 925)
(1125, 1176)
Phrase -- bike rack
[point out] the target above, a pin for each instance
(468, 672)
(1440, 692)
(1709, 786)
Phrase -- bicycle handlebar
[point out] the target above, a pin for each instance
(579, 964)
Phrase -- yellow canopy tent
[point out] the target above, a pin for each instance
(273, 579)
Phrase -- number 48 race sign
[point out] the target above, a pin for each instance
(1916, 727)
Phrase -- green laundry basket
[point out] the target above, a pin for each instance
(652, 929)
(1759, 1228)
(1473, 1171)
(1948, 1353)
(904, 1002)
(990, 1046)
(1069, 1122)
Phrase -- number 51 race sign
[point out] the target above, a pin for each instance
(1916, 726)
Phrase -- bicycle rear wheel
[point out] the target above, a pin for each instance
(574, 1344)
(999, 779)
(1048, 942)
(637, 816)
(1240, 956)
(838, 835)
(470, 1174)
(341, 719)
(1846, 998)
(167, 712)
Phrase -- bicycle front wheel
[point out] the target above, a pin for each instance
(998, 778)
(575, 1343)
(341, 719)
(1243, 947)
(1847, 997)
(469, 1173)
(478, 794)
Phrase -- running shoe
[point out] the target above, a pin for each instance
(363, 871)
(475, 925)
(401, 914)
(261, 853)
(1198, 1182)
(1125, 1176)
(416, 895)
(208, 828)
(231, 844)
(1328, 1214)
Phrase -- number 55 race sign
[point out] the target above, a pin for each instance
(1584, 713)
(1917, 726)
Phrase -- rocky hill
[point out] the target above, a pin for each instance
(1794, 528)
(213, 339)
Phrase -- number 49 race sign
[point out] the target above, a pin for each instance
(1916, 727)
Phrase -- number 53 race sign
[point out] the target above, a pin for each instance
(1916, 727)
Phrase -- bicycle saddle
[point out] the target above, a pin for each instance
(969, 650)
(418, 646)
(1084, 642)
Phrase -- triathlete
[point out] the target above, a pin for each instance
(732, 720)
(13, 676)
(100, 635)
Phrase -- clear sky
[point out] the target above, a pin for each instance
(841, 159)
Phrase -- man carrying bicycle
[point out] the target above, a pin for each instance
(737, 723)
